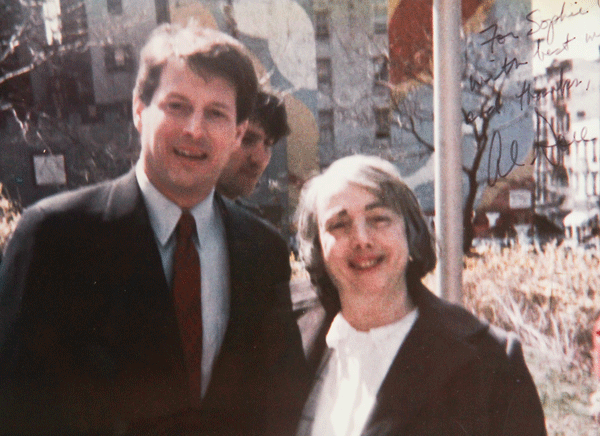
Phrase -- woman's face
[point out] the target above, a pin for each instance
(364, 243)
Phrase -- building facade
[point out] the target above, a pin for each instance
(351, 40)
(567, 165)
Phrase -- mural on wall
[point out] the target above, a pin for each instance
(410, 29)
(281, 34)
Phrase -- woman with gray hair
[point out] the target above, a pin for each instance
(396, 359)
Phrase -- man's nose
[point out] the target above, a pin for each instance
(260, 155)
(195, 126)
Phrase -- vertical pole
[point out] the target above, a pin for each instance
(447, 106)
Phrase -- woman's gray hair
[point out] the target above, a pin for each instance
(382, 179)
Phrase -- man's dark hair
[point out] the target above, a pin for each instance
(206, 52)
(270, 114)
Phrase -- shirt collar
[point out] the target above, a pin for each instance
(164, 214)
(342, 335)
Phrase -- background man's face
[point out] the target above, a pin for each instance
(247, 163)
(188, 132)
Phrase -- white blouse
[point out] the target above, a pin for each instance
(354, 373)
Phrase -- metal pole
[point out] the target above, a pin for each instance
(448, 147)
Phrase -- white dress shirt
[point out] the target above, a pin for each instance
(211, 243)
(354, 373)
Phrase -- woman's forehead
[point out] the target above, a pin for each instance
(346, 198)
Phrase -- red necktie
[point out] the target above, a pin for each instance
(186, 295)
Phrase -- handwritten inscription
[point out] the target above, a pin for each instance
(561, 89)
(496, 37)
(541, 53)
(541, 149)
(547, 44)
(476, 84)
(547, 24)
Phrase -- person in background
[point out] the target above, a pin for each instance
(149, 304)
(397, 360)
(267, 125)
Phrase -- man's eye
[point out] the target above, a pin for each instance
(249, 140)
(177, 107)
(215, 114)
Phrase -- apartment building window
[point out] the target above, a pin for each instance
(322, 25)
(51, 16)
(382, 122)
(115, 7)
(563, 122)
(118, 58)
(49, 169)
(380, 15)
(326, 134)
(380, 75)
(324, 74)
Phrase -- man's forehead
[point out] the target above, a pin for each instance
(255, 127)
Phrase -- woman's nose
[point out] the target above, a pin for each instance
(361, 234)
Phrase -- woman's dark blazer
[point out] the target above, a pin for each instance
(88, 334)
(453, 375)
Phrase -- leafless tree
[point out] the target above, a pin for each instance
(53, 47)
(496, 61)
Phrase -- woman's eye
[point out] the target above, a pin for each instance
(335, 225)
(380, 219)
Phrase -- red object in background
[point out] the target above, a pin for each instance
(411, 36)
(596, 345)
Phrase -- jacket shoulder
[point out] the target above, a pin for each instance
(252, 226)
(456, 323)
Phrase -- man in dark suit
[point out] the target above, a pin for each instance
(93, 338)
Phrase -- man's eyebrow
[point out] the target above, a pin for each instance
(221, 104)
(173, 94)
(216, 103)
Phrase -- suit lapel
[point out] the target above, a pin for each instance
(136, 278)
(417, 372)
(234, 362)
(309, 411)
(133, 237)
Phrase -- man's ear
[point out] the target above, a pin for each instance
(240, 131)
(137, 106)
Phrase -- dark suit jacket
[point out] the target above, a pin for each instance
(88, 334)
(453, 375)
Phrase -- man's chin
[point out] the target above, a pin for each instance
(248, 185)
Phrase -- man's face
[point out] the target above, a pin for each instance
(246, 164)
(187, 132)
